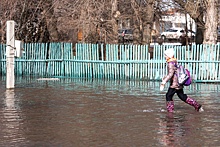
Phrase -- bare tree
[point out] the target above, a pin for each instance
(143, 18)
(43, 21)
(7, 10)
(91, 18)
(98, 21)
(34, 19)
(199, 10)
(114, 17)
(51, 22)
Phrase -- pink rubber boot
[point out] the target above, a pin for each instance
(193, 103)
(170, 106)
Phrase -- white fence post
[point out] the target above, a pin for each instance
(10, 51)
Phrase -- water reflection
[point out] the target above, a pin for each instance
(81, 112)
(10, 100)
(11, 121)
(171, 130)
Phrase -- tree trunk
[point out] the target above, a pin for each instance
(200, 28)
(137, 35)
(114, 21)
(146, 33)
(51, 21)
(211, 24)
(147, 17)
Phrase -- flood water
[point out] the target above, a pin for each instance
(100, 113)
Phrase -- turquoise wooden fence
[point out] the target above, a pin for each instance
(133, 62)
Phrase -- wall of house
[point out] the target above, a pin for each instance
(177, 20)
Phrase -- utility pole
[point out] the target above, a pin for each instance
(10, 54)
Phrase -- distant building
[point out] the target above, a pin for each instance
(174, 18)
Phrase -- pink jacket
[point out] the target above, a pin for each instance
(171, 76)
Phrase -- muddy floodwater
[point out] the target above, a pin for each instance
(100, 113)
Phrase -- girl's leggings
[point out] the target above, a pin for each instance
(180, 93)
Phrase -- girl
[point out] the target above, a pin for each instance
(174, 86)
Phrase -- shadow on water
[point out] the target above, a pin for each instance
(79, 112)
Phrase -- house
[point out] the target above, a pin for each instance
(174, 18)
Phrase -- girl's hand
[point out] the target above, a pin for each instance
(161, 87)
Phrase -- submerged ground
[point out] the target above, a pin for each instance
(86, 113)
